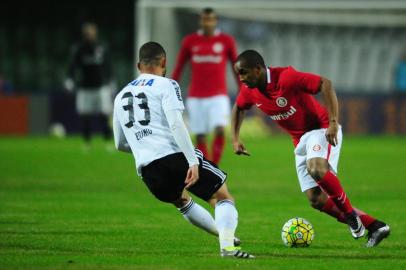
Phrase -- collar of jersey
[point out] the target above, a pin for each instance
(216, 32)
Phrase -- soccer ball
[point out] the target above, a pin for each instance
(297, 232)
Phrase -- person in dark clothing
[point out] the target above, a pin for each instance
(90, 74)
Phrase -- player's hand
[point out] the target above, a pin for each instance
(192, 176)
(69, 85)
(331, 133)
(240, 149)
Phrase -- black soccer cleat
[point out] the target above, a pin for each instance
(354, 223)
(237, 241)
(378, 231)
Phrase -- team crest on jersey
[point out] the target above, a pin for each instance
(195, 48)
(218, 47)
(281, 102)
(316, 147)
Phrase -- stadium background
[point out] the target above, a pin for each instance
(61, 207)
(359, 45)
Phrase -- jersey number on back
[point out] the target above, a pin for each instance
(130, 108)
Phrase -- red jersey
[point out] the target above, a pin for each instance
(289, 101)
(208, 57)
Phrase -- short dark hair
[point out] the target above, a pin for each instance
(208, 10)
(251, 58)
(151, 53)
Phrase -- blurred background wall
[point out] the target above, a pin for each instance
(36, 40)
(359, 45)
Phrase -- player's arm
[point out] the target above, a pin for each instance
(173, 107)
(232, 56)
(314, 84)
(331, 102)
(119, 138)
(69, 82)
(181, 60)
(237, 117)
(182, 138)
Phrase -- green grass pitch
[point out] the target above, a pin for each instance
(61, 208)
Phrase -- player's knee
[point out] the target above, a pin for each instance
(315, 199)
(201, 138)
(178, 203)
(317, 169)
(221, 194)
(316, 202)
(219, 131)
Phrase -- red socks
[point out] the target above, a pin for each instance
(217, 148)
(331, 209)
(331, 185)
(203, 147)
(365, 218)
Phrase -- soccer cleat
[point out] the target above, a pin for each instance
(354, 223)
(235, 252)
(237, 242)
(377, 235)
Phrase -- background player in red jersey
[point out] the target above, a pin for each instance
(286, 95)
(208, 105)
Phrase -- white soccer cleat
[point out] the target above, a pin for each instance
(354, 223)
(375, 237)
(235, 252)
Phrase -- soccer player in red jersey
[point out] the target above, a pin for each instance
(286, 95)
(208, 51)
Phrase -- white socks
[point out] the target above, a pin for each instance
(199, 217)
(226, 221)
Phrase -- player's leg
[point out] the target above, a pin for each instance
(86, 122)
(106, 130)
(319, 170)
(219, 114)
(322, 160)
(106, 110)
(316, 196)
(377, 230)
(212, 188)
(165, 180)
(201, 144)
(217, 147)
(84, 108)
(195, 214)
(198, 122)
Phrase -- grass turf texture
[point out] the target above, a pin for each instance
(61, 208)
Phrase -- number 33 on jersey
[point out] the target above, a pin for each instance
(139, 113)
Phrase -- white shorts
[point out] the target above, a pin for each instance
(94, 101)
(205, 114)
(313, 144)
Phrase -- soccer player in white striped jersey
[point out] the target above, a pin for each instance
(148, 123)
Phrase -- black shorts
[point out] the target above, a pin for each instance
(165, 177)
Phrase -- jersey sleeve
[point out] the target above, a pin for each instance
(302, 81)
(244, 100)
(232, 56)
(172, 97)
(181, 60)
(119, 137)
